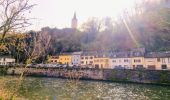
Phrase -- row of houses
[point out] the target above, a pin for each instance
(134, 59)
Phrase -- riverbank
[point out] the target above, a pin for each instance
(157, 77)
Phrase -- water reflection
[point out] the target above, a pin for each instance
(60, 89)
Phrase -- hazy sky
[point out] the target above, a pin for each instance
(58, 13)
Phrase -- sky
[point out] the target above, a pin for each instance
(58, 13)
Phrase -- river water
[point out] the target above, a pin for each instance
(62, 89)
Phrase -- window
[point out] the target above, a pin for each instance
(163, 60)
(56, 57)
(91, 62)
(82, 57)
(82, 62)
(96, 66)
(114, 61)
(137, 60)
(55, 60)
(158, 59)
(164, 66)
(150, 60)
(126, 60)
(101, 65)
(168, 60)
(86, 57)
(91, 57)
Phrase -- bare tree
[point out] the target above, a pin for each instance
(12, 15)
(38, 47)
(93, 25)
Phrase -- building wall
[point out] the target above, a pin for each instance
(87, 60)
(137, 62)
(121, 62)
(129, 62)
(65, 59)
(6, 61)
(162, 63)
(54, 59)
(151, 63)
(145, 76)
(101, 63)
(76, 59)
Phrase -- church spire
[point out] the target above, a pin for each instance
(74, 21)
(74, 16)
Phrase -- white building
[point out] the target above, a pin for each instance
(76, 58)
(158, 60)
(120, 60)
(87, 59)
(6, 60)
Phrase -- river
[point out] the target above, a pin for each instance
(33, 88)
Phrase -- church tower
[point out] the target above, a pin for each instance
(74, 22)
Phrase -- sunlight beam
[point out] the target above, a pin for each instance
(130, 33)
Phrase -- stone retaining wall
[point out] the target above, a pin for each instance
(123, 75)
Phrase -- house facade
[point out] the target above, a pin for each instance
(76, 58)
(87, 59)
(163, 63)
(6, 60)
(137, 62)
(65, 58)
(135, 59)
(150, 63)
(120, 60)
(54, 59)
(161, 60)
(101, 60)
